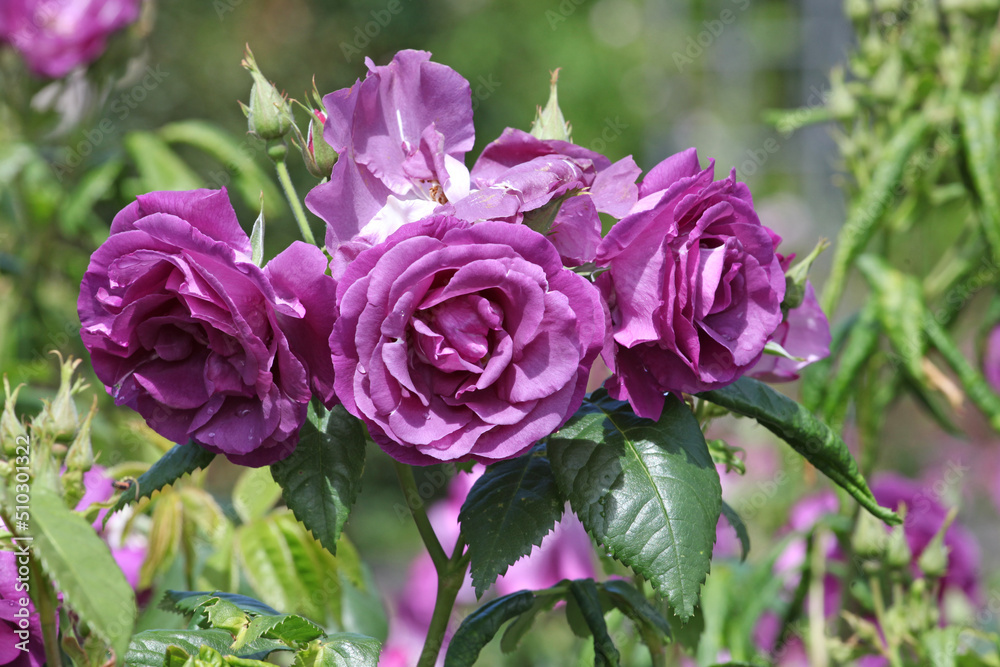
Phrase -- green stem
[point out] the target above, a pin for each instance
(47, 614)
(416, 504)
(277, 154)
(450, 581)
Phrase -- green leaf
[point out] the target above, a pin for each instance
(95, 185)
(288, 569)
(510, 508)
(942, 645)
(481, 626)
(250, 180)
(647, 491)
(585, 593)
(179, 461)
(148, 648)
(971, 379)
(900, 308)
(634, 604)
(516, 630)
(804, 433)
(322, 477)
(255, 494)
(158, 166)
(979, 117)
(82, 568)
(860, 344)
(741, 530)
(871, 206)
(287, 628)
(187, 602)
(340, 650)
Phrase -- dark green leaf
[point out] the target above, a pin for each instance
(586, 595)
(510, 508)
(481, 626)
(179, 461)
(516, 630)
(148, 648)
(648, 491)
(634, 604)
(322, 477)
(804, 433)
(741, 530)
(871, 206)
(186, 602)
(80, 565)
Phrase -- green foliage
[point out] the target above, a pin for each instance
(510, 508)
(804, 433)
(741, 530)
(481, 626)
(149, 648)
(322, 478)
(81, 567)
(647, 491)
(179, 461)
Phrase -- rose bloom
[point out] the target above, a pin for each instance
(13, 599)
(991, 359)
(55, 36)
(804, 333)
(183, 328)
(459, 341)
(693, 282)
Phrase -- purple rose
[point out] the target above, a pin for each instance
(183, 328)
(457, 341)
(129, 551)
(518, 174)
(402, 135)
(18, 632)
(693, 282)
(805, 333)
(54, 36)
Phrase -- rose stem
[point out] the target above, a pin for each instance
(277, 154)
(450, 571)
(47, 615)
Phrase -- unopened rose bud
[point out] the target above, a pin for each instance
(269, 115)
(79, 459)
(11, 429)
(869, 538)
(933, 562)
(549, 122)
(319, 156)
(60, 416)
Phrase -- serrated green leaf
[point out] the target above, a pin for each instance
(481, 626)
(741, 530)
(322, 478)
(806, 434)
(978, 117)
(158, 165)
(900, 309)
(288, 569)
(82, 568)
(287, 628)
(179, 461)
(255, 494)
(224, 615)
(148, 648)
(250, 180)
(186, 602)
(634, 604)
(871, 206)
(647, 491)
(585, 593)
(343, 649)
(510, 508)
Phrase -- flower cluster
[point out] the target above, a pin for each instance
(56, 36)
(463, 309)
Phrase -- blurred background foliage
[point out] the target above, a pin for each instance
(639, 77)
